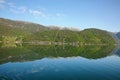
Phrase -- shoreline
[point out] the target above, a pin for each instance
(77, 43)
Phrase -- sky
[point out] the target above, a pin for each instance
(80, 14)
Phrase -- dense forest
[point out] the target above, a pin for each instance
(31, 32)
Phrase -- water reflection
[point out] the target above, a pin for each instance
(34, 62)
(28, 52)
(75, 68)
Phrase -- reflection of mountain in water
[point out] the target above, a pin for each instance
(116, 51)
(34, 52)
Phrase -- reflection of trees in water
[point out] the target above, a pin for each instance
(7, 45)
(11, 41)
(118, 52)
(34, 52)
(69, 51)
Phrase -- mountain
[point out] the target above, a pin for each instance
(18, 28)
(35, 32)
(118, 35)
(22, 25)
(114, 36)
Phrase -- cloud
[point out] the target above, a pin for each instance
(11, 5)
(34, 12)
(2, 3)
(21, 9)
(40, 13)
(50, 16)
(37, 13)
(59, 15)
(13, 8)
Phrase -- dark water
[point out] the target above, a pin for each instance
(33, 62)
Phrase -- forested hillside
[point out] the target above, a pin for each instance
(36, 32)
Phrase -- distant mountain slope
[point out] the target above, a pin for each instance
(18, 28)
(118, 35)
(36, 32)
(21, 25)
(114, 36)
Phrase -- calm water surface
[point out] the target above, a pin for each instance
(33, 62)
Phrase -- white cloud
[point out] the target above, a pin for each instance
(11, 5)
(2, 3)
(15, 9)
(59, 15)
(37, 12)
(21, 9)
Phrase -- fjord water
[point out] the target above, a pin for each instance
(35, 62)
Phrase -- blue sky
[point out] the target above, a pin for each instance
(81, 14)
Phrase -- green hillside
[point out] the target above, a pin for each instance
(36, 32)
